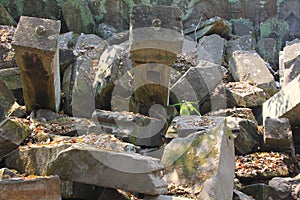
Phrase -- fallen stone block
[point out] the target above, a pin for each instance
(7, 100)
(109, 169)
(244, 94)
(243, 43)
(257, 191)
(36, 188)
(11, 77)
(278, 135)
(134, 128)
(12, 134)
(285, 103)
(211, 48)
(289, 67)
(283, 188)
(242, 26)
(249, 66)
(201, 164)
(268, 50)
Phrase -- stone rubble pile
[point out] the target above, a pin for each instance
(168, 103)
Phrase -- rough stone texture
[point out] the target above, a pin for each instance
(244, 94)
(78, 16)
(257, 191)
(164, 197)
(7, 100)
(89, 45)
(245, 113)
(7, 59)
(289, 66)
(243, 43)
(109, 169)
(12, 133)
(39, 188)
(197, 83)
(7, 174)
(113, 68)
(201, 164)
(37, 59)
(5, 18)
(285, 103)
(242, 27)
(135, 128)
(246, 135)
(211, 49)
(268, 50)
(11, 77)
(284, 188)
(237, 195)
(249, 66)
(182, 126)
(278, 135)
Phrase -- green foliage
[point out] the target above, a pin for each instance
(186, 107)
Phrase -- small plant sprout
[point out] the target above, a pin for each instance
(187, 107)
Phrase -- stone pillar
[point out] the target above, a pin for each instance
(155, 40)
(36, 46)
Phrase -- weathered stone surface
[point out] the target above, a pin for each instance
(39, 188)
(17, 111)
(278, 135)
(109, 169)
(215, 25)
(285, 103)
(7, 174)
(249, 66)
(114, 63)
(182, 126)
(289, 66)
(246, 135)
(284, 188)
(7, 59)
(197, 83)
(164, 197)
(43, 115)
(106, 31)
(257, 191)
(201, 164)
(275, 28)
(211, 49)
(35, 43)
(7, 100)
(78, 16)
(11, 77)
(243, 43)
(245, 94)
(242, 27)
(268, 50)
(12, 133)
(89, 45)
(135, 128)
(5, 18)
(237, 195)
(118, 38)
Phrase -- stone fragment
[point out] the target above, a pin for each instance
(118, 38)
(7, 60)
(201, 164)
(197, 83)
(89, 45)
(6, 173)
(241, 27)
(7, 100)
(39, 188)
(215, 25)
(278, 135)
(109, 169)
(257, 191)
(66, 58)
(237, 195)
(268, 50)
(211, 49)
(35, 43)
(11, 77)
(275, 28)
(17, 111)
(249, 66)
(78, 16)
(164, 197)
(114, 68)
(134, 128)
(106, 31)
(243, 43)
(285, 103)
(12, 134)
(44, 115)
(244, 94)
(289, 66)
(246, 135)
(284, 188)
(5, 18)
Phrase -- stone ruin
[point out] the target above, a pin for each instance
(176, 100)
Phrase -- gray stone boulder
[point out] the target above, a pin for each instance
(249, 66)
(243, 43)
(201, 164)
(284, 188)
(31, 188)
(131, 172)
(12, 134)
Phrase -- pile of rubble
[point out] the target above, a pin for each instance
(153, 113)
